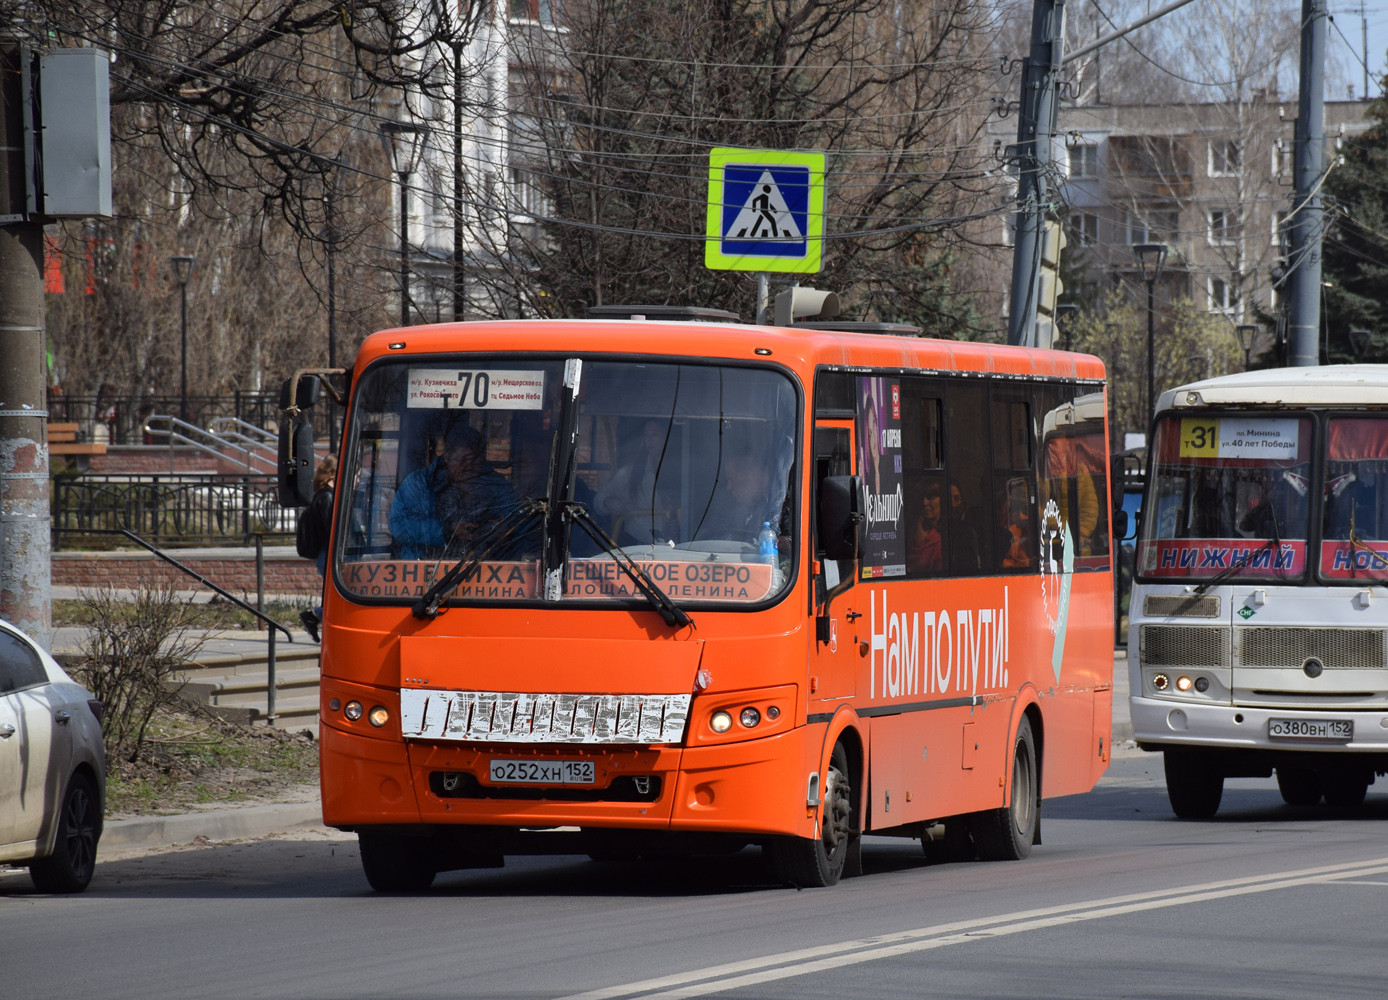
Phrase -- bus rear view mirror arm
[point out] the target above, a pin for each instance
(840, 513)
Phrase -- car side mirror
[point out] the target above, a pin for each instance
(840, 513)
(294, 472)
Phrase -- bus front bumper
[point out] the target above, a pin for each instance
(1158, 724)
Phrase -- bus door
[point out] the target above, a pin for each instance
(839, 624)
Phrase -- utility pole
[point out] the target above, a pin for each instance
(459, 271)
(1304, 258)
(1035, 129)
(25, 545)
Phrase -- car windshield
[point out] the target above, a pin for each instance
(688, 468)
(1228, 490)
(1354, 528)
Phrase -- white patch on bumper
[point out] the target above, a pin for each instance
(508, 717)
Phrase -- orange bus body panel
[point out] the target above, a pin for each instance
(929, 678)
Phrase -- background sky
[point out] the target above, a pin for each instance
(1345, 39)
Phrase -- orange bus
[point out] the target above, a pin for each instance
(631, 587)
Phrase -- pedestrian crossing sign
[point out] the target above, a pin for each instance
(765, 211)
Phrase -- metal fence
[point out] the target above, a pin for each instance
(170, 510)
(122, 420)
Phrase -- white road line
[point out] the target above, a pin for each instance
(736, 975)
(1357, 881)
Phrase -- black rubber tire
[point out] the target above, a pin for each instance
(73, 862)
(1193, 786)
(1345, 789)
(1006, 834)
(820, 862)
(397, 864)
(1300, 786)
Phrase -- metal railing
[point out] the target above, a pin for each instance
(252, 454)
(270, 624)
(123, 420)
(183, 510)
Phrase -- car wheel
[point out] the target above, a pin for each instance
(397, 864)
(1192, 784)
(73, 862)
(820, 862)
(1007, 834)
(1299, 786)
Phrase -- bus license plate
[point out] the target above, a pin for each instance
(1314, 730)
(543, 772)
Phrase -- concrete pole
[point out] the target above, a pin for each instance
(25, 543)
(1304, 284)
(459, 265)
(1035, 129)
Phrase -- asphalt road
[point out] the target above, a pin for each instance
(1122, 900)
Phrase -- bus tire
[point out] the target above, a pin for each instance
(1193, 786)
(1300, 786)
(1007, 834)
(397, 864)
(1345, 788)
(819, 862)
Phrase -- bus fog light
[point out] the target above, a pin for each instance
(1183, 683)
(1161, 682)
(379, 716)
(353, 710)
(749, 717)
(773, 713)
(1202, 684)
(721, 722)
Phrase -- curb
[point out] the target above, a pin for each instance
(215, 824)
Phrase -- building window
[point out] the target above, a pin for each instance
(1225, 157)
(527, 196)
(1280, 236)
(1084, 228)
(532, 10)
(1153, 225)
(1223, 225)
(1084, 160)
(1223, 297)
(1281, 158)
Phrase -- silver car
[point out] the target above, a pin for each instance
(52, 767)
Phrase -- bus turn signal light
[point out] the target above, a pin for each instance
(721, 722)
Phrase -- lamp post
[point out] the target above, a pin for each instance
(183, 265)
(403, 143)
(1246, 332)
(1151, 257)
(1359, 343)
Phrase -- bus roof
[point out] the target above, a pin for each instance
(1324, 385)
(801, 348)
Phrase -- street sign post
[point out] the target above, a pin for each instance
(765, 211)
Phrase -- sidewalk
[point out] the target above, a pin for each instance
(217, 823)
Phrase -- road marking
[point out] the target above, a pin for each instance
(804, 961)
(1358, 881)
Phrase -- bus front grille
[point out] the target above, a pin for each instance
(1185, 646)
(1336, 648)
(1180, 606)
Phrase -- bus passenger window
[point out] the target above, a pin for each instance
(968, 499)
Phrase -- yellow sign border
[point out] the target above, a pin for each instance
(714, 257)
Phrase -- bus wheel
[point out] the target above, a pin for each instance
(1192, 784)
(1344, 789)
(802, 861)
(1300, 786)
(397, 864)
(1007, 834)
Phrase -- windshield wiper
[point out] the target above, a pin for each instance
(1275, 543)
(671, 612)
(427, 606)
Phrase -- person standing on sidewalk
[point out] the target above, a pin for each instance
(314, 530)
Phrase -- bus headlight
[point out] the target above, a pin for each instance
(379, 716)
(749, 717)
(720, 722)
(352, 710)
(1183, 683)
(1161, 682)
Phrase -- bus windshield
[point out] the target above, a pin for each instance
(1228, 490)
(688, 468)
(1354, 534)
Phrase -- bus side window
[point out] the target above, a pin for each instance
(1014, 483)
(967, 497)
(923, 476)
(833, 456)
(1073, 470)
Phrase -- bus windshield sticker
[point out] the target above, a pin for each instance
(454, 389)
(1240, 437)
(879, 461)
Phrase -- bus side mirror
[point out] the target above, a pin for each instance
(1120, 524)
(294, 473)
(840, 513)
(310, 386)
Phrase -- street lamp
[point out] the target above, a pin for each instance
(403, 142)
(183, 265)
(1246, 332)
(1151, 257)
(1359, 343)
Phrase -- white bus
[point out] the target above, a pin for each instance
(1258, 629)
